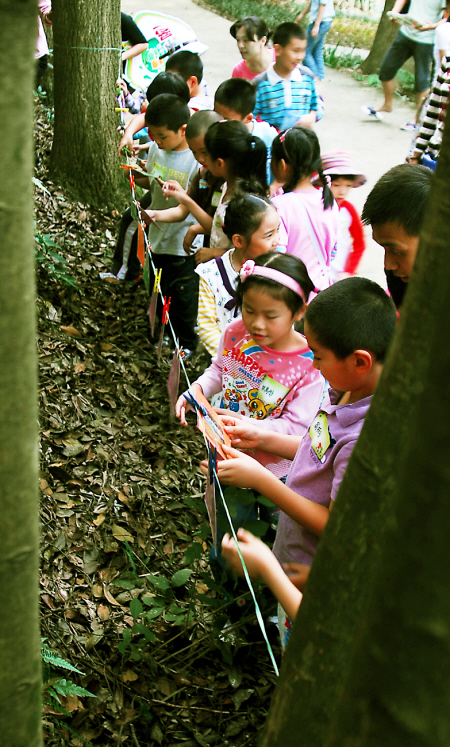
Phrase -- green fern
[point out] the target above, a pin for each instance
(56, 686)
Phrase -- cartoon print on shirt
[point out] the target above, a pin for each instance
(233, 398)
(321, 438)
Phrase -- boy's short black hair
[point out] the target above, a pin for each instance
(200, 122)
(287, 31)
(237, 94)
(186, 63)
(353, 314)
(168, 82)
(399, 196)
(167, 110)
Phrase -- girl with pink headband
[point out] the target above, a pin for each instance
(264, 367)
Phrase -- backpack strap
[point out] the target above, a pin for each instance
(232, 303)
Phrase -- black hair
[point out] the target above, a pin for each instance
(353, 314)
(167, 110)
(287, 264)
(244, 214)
(245, 154)
(199, 122)
(187, 64)
(255, 28)
(400, 196)
(285, 32)
(300, 148)
(238, 94)
(348, 177)
(168, 82)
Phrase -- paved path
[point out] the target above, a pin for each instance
(376, 146)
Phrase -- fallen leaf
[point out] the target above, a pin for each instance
(70, 331)
(121, 534)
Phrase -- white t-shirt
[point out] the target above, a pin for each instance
(441, 42)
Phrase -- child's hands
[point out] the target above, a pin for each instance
(121, 83)
(171, 188)
(255, 553)
(242, 434)
(307, 120)
(241, 470)
(182, 406)
(206, 253)
(125, 142)
(149, 215)
(298, 573)
(190, 236)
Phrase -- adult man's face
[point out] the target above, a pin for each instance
(400, 249)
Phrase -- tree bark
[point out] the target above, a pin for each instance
(20, 670)
(86, 39)
(338, 592)
(398, 690)
(386, 33)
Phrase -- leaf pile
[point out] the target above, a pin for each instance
(126, 589)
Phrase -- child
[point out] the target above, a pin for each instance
(338, 166)
(235, 99)
(309, 217)
(239, 158)
(349, 327)
(169, 157)
(251, 224)
(252, 34)
(286, 94)
(190, 67)
(263, 366)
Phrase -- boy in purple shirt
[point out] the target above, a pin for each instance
(348, 327)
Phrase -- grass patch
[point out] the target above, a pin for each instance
(405, 83)
(347, 60)
(273, 13)
(350, 31)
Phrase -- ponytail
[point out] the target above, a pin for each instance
(327, 194)
(300, 148)
(245, 154)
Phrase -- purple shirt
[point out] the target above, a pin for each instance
(317, 470)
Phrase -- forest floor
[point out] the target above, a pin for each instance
(126, 590)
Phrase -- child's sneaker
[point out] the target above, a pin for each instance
(372, 112)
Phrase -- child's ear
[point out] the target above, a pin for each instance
(183, 130)
(192, 82)
(363, 361)
(248, 118)
(278, 49)
(300, 314)
(238, 241)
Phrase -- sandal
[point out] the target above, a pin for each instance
(409, 127)
(372, 112)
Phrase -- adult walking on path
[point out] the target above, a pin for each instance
(321, 13)
(414, 39)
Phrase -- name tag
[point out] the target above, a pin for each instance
(216, 198)
(320, 436)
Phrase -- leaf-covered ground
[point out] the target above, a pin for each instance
(126, 589)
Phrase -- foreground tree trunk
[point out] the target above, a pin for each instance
(86, 39)
(398, 690)
(20, 672)
(339, 589)
(386, 33)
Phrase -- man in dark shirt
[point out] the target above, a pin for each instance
(395, 209)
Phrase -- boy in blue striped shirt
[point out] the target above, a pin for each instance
(286, 94)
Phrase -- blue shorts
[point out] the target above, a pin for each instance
(401, 50)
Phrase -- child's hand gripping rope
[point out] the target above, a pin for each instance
(238, 469)
(182, 406)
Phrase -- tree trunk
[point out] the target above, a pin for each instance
(86, 44)
(398, 691)
(386, 33)
(20, 670)
(339, 588)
